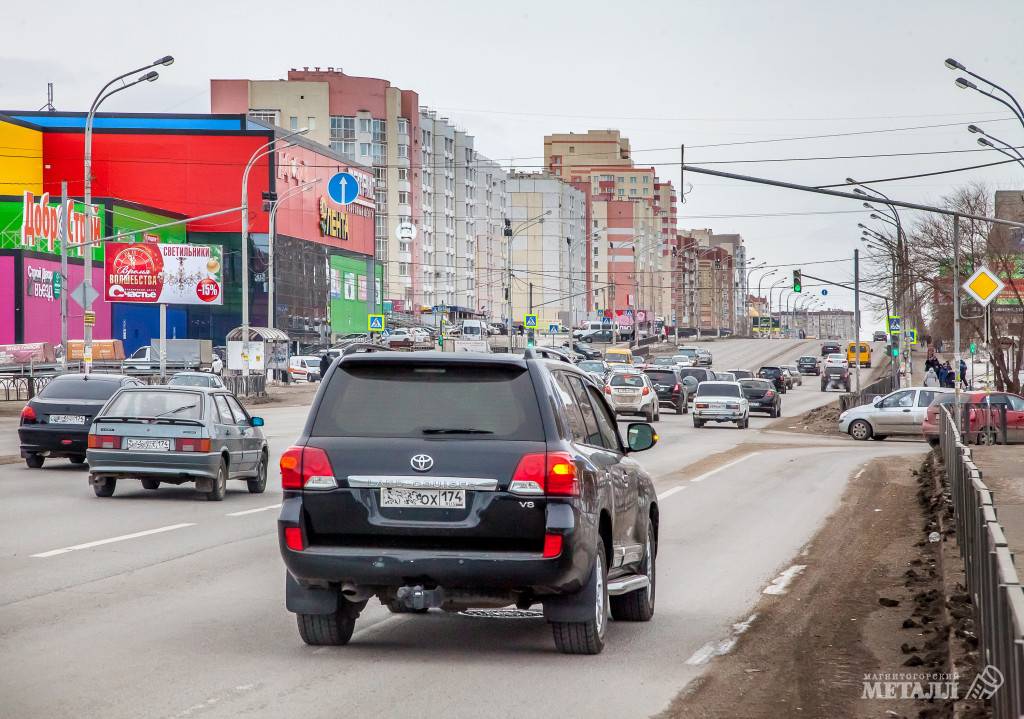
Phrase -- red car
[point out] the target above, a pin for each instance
(983, 427)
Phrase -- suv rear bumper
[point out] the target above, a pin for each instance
(377, 567)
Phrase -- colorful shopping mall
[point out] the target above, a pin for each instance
(151, 175)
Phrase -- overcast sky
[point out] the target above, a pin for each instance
(664, 72)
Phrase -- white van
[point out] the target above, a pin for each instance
(474, 330)
(591, 326)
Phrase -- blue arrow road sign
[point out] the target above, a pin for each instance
(343, 188)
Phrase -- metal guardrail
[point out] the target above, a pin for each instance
(880, 387)
(991, 575)
(23, 386)
(254, 385)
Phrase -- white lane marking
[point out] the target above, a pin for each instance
(716, 470)
(252, 511)
(111, 540)
(722, 646)
(669, 492)
(781, 582)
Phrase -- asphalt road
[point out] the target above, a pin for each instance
(183, 614)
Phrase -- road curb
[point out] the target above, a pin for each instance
(9, 458)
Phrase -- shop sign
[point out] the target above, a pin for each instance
(41, 221)
(42, 283)
(160, 273)
(333, 223)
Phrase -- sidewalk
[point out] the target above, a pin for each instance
(1002, 468)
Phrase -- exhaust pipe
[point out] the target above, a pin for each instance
(354, 593)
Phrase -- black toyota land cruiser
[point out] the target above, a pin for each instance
(434, 480)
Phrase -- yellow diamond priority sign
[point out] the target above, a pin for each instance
(984, 286)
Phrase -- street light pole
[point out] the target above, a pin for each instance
(539, 219)
(271, 237)
(102, 95)
(261, 151)
(771, 326)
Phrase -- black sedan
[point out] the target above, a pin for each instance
(809, 364)
(55, 423)
(588, 352)
(830, 348)
(762, 396)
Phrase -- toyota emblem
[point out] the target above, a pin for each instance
(422, 462)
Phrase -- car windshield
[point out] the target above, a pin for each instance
(661, 376)
(664, 361)
(156, 403)
(591, 366)
(417, 400)
(726, 376)
(742, 374)
(78, 387)
(770, 371)
(680, 358)
(755, 384)
(626, 380)
(190, 381)
(717, 389)
(688, 352)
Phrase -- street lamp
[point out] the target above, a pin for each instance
(759, 280)
(271, 236)
(511, 235)
(965, 84)
(746, 287)
(102, 95)
(771, 289)
(262, 151)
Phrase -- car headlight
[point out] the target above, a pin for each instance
(842, 415)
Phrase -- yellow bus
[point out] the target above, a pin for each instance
(865, 354)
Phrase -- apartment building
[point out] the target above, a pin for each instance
(549, 228)
(631, 221)
(734, 245)
(364, 118)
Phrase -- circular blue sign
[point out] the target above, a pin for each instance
(343, 188)
(824, 291)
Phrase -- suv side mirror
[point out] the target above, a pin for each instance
(640, 436)
(876, 400)
(256, 421)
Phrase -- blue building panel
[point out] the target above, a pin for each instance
(165, 122)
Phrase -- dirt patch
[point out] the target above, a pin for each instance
(297, 394)
(871, 602)
(820, 420)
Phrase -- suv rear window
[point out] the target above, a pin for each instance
(622, 379)
(149, 403)
(80, 388)
(416, 400)
(698, 374)
(661, 376)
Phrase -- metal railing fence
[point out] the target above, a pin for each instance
(991, 576)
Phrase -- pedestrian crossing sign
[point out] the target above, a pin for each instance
(530, 322)
(912, 336)
(894, 325)
(375, 323)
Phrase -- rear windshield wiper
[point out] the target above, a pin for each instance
(455, 430)
(182, 408)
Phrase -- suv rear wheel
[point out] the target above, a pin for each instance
(330, 629)
(638, 605)
(587, 637)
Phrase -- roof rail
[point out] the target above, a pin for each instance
(529, 354)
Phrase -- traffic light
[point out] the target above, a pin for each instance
(797, 281)
(974, 348)
(895, 345)
(530, 339)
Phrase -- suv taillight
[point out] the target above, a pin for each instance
(607, 389)
(104, 441)
(677, 388)
(551, 473)
(28, 415)
(306, 468)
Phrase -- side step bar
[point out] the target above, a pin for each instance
(625, 585)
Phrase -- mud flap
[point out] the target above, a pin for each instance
(309, 600)
(576, 607)
(204, 484)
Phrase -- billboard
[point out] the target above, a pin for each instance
(159, 273)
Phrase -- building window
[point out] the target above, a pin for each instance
(293, 123)
(311, 122)
(381, 198)
(378, 152)
(621, 178)
(403, 269)
(269, 116)
(647, 190)
(647, 179)
(403, 151)
(403, 126)
(380, 128)
(403, 198)
(572, 149)
(621, 192)
(380, 223)
(403, 173)
(632, 179)
(365, 124)
(364, 148)
(595, 266)
(342, 128)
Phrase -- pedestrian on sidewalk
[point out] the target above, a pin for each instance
(325, 364)
(930, 378)
(963, 374)
(940, 374)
